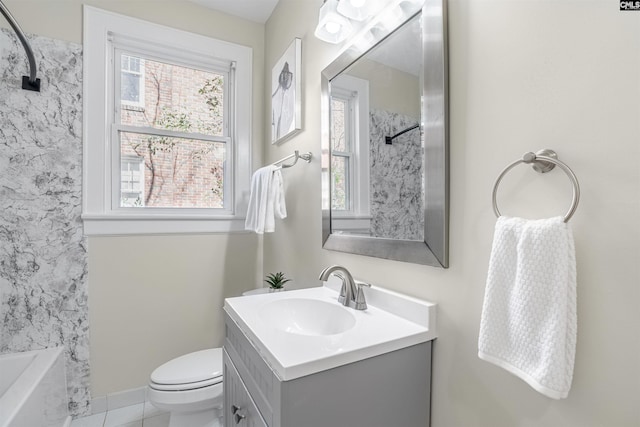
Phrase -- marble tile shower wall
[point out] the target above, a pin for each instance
(395, 177)
(43, 265)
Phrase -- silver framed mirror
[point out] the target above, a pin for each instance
(385, 148)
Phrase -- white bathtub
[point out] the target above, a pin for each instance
(33, 389)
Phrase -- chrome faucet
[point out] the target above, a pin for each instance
(351, 294)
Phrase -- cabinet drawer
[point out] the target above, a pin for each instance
(239, 408)
(257, 376)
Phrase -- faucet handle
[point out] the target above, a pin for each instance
(343, 288)
(360, 302)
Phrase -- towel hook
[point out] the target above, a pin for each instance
(543, 161)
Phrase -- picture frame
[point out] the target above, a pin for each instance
(286, 93)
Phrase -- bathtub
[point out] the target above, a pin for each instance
(33, 389)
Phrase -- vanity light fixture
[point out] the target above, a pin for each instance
(340, 18)
(332, 26)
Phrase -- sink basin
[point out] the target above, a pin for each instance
(304, 316)
(305, 331)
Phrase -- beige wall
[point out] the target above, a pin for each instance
(156, 297)
(524, 75)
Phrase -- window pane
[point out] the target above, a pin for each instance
(339, 183)
(172, 97)
(130, 87)
(130, 63)
(175, 172)
(338, 124)
(132, 181)
(134, 64)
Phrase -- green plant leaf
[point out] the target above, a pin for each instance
(276, 280)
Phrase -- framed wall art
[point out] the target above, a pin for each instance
(286, 110)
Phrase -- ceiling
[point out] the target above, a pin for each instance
(253, 10)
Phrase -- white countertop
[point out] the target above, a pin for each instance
(391, 322)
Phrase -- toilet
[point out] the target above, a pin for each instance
(190, 387)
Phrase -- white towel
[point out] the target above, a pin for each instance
(266, 200)
(276, 206)
(529, 324)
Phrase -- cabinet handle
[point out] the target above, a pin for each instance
(234, 409)
(239, 417)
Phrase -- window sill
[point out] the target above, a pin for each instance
(350, 215)
(132, 107)
(104, 225)
(352, 223)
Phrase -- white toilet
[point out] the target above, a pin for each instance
(190, 388)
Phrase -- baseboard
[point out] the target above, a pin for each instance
(118, 399)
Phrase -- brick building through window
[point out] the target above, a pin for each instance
(185, 169)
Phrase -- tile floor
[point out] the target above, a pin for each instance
(140, 415)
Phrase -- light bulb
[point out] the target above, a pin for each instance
(358, 10)
(332, 27)
(392, 18)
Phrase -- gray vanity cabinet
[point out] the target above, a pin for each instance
(241, 409)
(389, 390)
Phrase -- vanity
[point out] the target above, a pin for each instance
(301, 359)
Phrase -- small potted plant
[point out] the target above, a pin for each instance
(276, 281)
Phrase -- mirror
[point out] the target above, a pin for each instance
(385, 139)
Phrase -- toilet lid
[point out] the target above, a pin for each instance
(191, 368)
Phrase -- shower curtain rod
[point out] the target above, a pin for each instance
(28, 82)
(389, 139)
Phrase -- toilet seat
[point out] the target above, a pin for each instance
(189, 372)
(188, 386)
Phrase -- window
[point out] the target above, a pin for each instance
(350, 153)
(341, 151)
(132, 181)
(166, 141)
(132, 81)
(181, 132)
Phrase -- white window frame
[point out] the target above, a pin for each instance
(358, 215)
(100, 216)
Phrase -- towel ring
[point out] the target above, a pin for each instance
(543, 161)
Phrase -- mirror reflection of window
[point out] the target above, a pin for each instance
(350, 138)
(340, 153)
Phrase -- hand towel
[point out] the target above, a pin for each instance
(529, 324)
(275, 202)
(266, 200)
